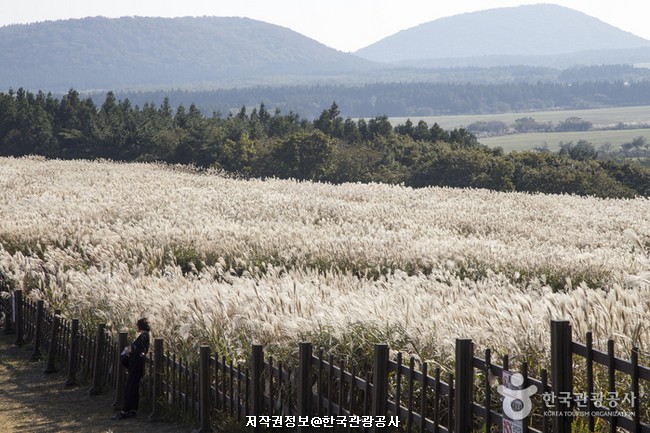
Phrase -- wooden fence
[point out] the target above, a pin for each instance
(319, 389)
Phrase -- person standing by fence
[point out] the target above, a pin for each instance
(133, 358)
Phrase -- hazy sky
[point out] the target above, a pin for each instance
(346, 25)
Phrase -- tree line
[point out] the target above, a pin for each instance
(404, 99)
(258, 142)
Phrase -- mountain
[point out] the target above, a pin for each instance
(516, 34)
(138, 52)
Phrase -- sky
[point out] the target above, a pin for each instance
(346, 25)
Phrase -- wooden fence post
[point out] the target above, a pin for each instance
(8, 315)
(562, 373)
(97, 360)
(636, 410)
(257, 390)
(157, 373)
(611, 380)
(18, 317)
(204, 390)
(380, 382)
(72, 358)
(305, 395)
(51, 350)
(464, 391)
(121, 371)
(36, 354)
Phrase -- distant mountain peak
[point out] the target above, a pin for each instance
(148, 52)
(540, 29)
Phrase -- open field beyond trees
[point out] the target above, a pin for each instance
(606, 127)
(552, 140)
(230, 262)
(600, 117)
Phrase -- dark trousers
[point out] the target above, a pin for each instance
(132, 391)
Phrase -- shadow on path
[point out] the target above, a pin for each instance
(32, 401)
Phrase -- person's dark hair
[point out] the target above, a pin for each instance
(143, 325)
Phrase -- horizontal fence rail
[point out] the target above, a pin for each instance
(316, 390)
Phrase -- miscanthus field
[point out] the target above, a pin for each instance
(211, 259)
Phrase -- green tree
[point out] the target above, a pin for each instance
(37, 134)
(305, 155)
(362, 125)
(379, 126)
(351, 131)
(281, 125)
(630, 174)
(555, 174)
(635, 147)
(73, 122)
(581, 151)
(330, 122)
(463, 137)
(489, 127)
(406, 128)
(26, 126)
(438, 134)
(238, 156)
(356, 162)
(421, 131)
(463, 167)
(528, 124)
(574, 123)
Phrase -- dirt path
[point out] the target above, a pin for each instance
(32, 401)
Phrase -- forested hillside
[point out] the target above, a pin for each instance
(206, 53)
(138, 52)
(259, 143)
(632, 87)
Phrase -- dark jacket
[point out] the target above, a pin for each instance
(134, 362)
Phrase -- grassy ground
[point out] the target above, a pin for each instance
(600, 116)
(32, 401)
(522, 142)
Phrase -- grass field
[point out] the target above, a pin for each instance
(521, 142)
(229, 262)
(599, 117)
